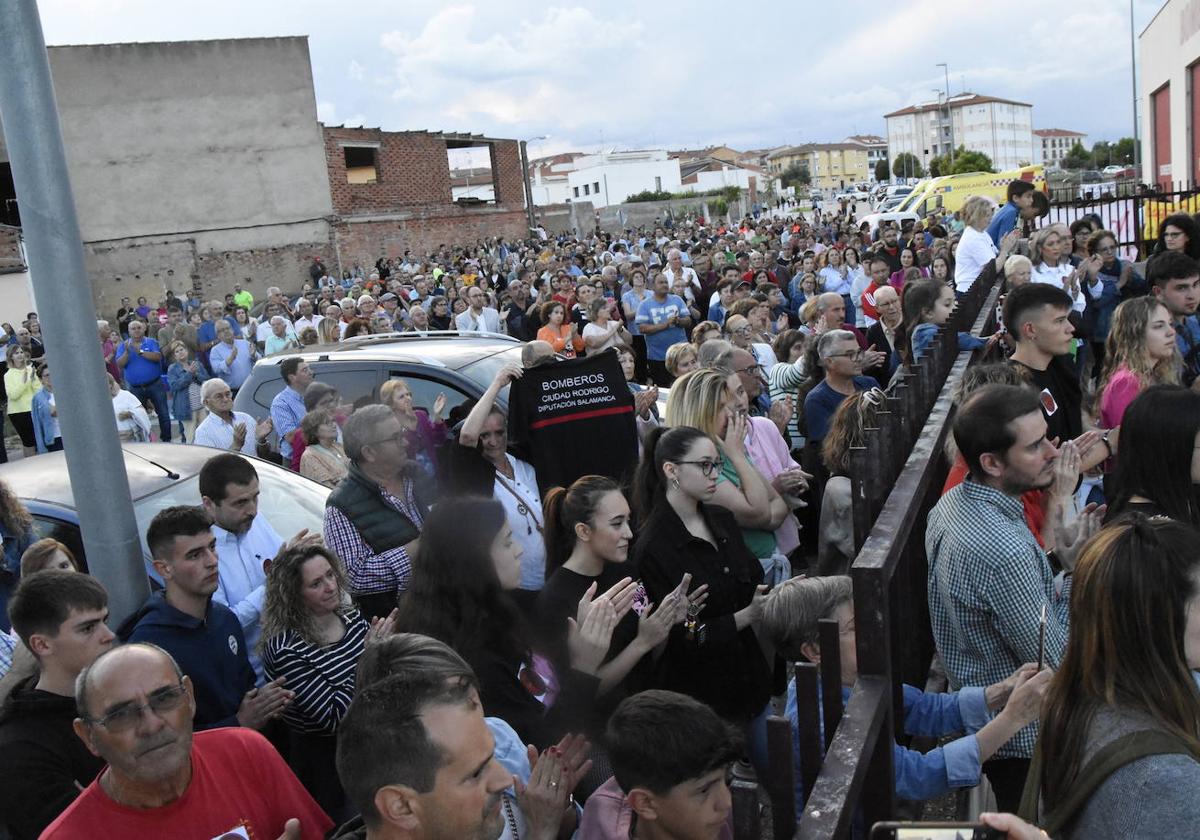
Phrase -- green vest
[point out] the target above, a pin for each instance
(380, 525)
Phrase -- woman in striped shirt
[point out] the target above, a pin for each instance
(313, 638)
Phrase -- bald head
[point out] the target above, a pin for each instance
(832, 309)
(887, 304)
(96, 682)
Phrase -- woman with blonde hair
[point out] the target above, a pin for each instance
(329, 330)
(681, 359)
(712, 401)
(975, 247)
(1140, 352)
(424, 431)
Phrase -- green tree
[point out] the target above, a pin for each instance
(1123, 151)
(971, 161)
(1077, 157)
(881, 170)
(907, 165)
(796, 175)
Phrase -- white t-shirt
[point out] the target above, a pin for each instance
(975, 248)
(523, 509)
(590, 330)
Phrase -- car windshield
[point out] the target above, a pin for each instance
(288, 501)
(484, 371)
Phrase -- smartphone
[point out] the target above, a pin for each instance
(934, 831)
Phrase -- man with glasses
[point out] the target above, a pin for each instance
(135, 713)
(842, 359)
(60, 619)
(478, 317)
(373, 518)
(225, 428)
(203, 635)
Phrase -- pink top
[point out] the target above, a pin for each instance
(1118, 394)
(769, 453)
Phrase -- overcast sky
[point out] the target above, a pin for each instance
(628, 74)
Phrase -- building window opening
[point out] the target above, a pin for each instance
(361, 164)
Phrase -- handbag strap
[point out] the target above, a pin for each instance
(1106, 761)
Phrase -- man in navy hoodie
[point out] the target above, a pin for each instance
(60, 618)
(203, 635)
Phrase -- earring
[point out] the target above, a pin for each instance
(675, 483)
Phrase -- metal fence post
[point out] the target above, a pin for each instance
(95, 463)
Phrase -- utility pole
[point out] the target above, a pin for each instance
(95, 462)
(949, 121)
(1137, 145)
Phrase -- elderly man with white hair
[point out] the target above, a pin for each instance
(231, 358)
(225, 428)
(676, 269)
(282, 336)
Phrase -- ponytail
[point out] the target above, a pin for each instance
(563, 509)
(661, 445)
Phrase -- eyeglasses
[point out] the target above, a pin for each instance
(875, 397)
(1172, 234)
(707, 466)
(849, 354)
(162, 701)
(397, 438)
(758, 369)
(1110, 249)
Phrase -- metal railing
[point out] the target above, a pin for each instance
(896, 477)
(1131, 211)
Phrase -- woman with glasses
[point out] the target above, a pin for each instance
(1178, 232)
(1119, 282)
(715, 402)
(715, 655)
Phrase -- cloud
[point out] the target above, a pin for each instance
(630, 74)
(327, 112)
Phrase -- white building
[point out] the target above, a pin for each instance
(1168, 76)
(1000, 128)
(1050, 145)
(612, 177)
(474, 183)
(877, 150)
(548, 178)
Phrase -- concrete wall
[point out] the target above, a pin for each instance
(181, 153)
(578, 217)
(1167, 48)
(618, 217)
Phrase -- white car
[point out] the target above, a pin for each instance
(1112, 169)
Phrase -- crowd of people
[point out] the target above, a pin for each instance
(472, 649)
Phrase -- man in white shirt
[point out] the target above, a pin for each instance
(245, 540)
(225, 428)
(306, 318)
(478, 317)
(675, 269)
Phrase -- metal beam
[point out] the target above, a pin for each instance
(95, 463)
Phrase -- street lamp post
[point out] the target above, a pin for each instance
(525, 172)
(949, 122)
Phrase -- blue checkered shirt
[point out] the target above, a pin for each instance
(988, 581)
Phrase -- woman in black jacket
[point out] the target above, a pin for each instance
(467, 565)
(715, 655)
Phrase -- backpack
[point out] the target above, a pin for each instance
(1107, 760)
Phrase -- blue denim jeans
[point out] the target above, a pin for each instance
(156, 392)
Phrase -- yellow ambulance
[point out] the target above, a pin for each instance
(949, 192)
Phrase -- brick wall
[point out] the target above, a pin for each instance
(10, 250)
(365, 241)
(410, 204)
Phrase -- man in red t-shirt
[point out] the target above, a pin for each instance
(164, 782)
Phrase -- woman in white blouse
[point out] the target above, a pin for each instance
(1046, 247)
(975, 247)
(601, 332)
(133, 424)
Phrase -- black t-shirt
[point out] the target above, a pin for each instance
(1060, 395)
(574, 418)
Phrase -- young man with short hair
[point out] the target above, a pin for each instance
(990, 583)
(1020, 200)
(1174, 279)
(1036, 316)
(671, 756)
(201, 634)
(60, 618)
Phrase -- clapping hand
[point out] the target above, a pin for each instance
(589, 634)
(263, 428)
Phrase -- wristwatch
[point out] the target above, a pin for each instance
(1104, 440)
